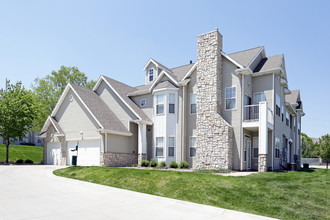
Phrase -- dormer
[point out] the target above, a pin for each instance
(153, 70)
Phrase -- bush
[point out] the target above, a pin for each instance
(144, 163)
(135, 165)
(184, 165)
(174, 164)
(28, 161)
(162, 164)
(19, 161)
(153, 163)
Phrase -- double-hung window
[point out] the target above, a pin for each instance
(193, 103)
(159, 146)
(159, 104)
(258, 97)
(277, 147)
(143, 102)
(287, 119)
(171, 103)
(231, 98)
(171, 146)
(192, 146)
(278, 104)
(151, 75)
(255, 147)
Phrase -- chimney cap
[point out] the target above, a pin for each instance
(190, 62)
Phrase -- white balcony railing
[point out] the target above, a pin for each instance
(251, 113)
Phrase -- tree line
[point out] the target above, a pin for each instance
(23, 110)
(320, 148)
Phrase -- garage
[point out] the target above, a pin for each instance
(53, 153)
(88, 152)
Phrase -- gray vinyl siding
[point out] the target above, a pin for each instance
(124, 144)
(264, 84)
(248, 86)
(148, 109)
(115, 104)
(233, 117)
(191, 130)
(73, 118)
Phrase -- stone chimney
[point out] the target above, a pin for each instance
(214, 134)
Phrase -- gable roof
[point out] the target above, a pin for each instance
(122, 90)
(246, 56)
(293, 97)
(51, 120)
(181, 71)
(158, 65)
(269, 63)
(96, 107)
(100, 110)
(165, 84)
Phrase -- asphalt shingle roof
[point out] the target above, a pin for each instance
(123, 90)
(181, 71)
(165, 84)
(99, 109)
(269, 63)
(292, 98)
(246, 56)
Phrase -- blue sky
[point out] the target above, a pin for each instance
(116, 38)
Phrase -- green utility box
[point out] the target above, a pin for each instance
(74, 160)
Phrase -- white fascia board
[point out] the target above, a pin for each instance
(290, 108)
(142, 122)
(46, 124)
(184, 82)
(190, 71)
(165, 89)
(270, 71)
(231, 60)
(244, 71)
(159, 77)
(65, 92)
(117, 94)
(97, 83)
(255, 57)
(115, 132)
(150, 61)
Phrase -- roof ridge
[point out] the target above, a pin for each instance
(245, 50)
(183, 65)
(119, 82)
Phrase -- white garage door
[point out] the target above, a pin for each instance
(88, 152)
(53, 153)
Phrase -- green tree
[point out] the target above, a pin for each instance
(17, 112)
(324, 148)
(49, 89)
(308, 147)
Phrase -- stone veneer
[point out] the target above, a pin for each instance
(262, 163)
(214, 134)
(118, 159)
(52, 138)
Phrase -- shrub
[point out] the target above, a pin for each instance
(144, 163)
(153, 163)
(28, 161)
(135, 165)
(19, 161)
(174, 164)
(162, 164)
(184, 165)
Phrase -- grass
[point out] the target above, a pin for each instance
(21, 152)
(285, 195)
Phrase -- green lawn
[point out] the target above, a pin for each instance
(21, 152)
(285, 195)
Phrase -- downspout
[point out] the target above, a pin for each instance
(183, 133)
(242, 118)
(273, 135)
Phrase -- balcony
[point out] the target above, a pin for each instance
(252, 116)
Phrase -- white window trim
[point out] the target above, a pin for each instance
(164, 104)
(168, 146)
(153, 74)
(190, 104)
(190, 147)
(157, 146)
(168, 103)
(145, 101)
(231, 98)
(258, 93)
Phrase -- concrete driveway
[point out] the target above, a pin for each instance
(33, 192)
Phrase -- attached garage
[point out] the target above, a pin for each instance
(53, 153)
(88, 152)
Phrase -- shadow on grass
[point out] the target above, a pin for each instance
(307, 170)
